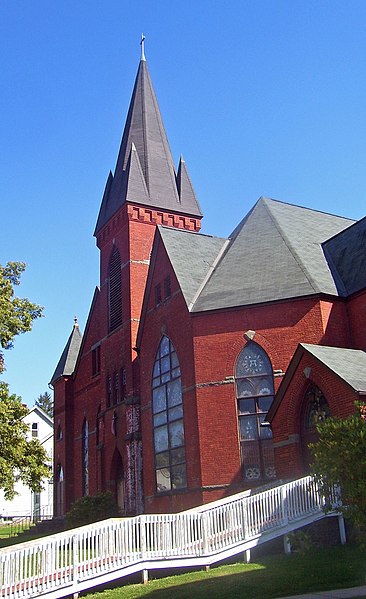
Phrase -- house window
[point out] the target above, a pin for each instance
(167, 287)
(96, 360)
(168, 426)
(34, 429)
(85, 459)
(115, 291)
(254, 392)
(158, 296)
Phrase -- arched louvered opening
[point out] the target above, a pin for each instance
(115, 291)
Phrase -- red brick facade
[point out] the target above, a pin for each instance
(111, 434)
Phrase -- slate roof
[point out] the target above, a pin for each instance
(275, 253)
(193, 256)
(346, 255)
(145, 172)
(348, 364)
(66, 364)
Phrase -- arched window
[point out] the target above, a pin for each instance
(316, 408)
(168, 426)
(115, 291)
(85, 458)
(59, 479)
(254, 392)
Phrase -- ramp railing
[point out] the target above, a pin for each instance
(82, 558)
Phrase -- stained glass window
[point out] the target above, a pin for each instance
(254, 392)
(168, 426)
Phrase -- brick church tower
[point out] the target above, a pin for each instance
(96, 382)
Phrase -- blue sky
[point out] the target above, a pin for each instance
(261, 97)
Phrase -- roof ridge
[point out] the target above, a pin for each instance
(266, 198)
(289, 245)
(210, 272)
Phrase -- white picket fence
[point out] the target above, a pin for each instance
(80, 559)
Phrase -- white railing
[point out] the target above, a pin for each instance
(79, 559)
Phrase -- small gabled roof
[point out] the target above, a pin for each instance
(346, 255)
(66, 364)
(275, 253)
(145, 172)
(192, 256)
(42, 414)
(348, 364)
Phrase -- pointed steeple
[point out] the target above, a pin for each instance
(187, 196)
(66, 363)
(145, 129)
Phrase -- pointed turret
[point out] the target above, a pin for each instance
(187, 196)
(145, 174)
(66, 364)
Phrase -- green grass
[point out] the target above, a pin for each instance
(269, 577)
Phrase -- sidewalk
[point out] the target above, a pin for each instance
(338, 594)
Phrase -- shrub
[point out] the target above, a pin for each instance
(92, 508)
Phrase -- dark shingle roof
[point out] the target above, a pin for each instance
(192, 256)
(349, 364)
(275, 253)
(145, 171)
(66, 364)
(346, 255)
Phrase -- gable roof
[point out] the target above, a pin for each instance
(66, 364)
(346, 255)
(193, 256)
(145, 172)
(275, 253)
(348, 364)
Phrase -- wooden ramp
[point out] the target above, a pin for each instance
(80, 559)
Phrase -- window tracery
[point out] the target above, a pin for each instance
(254, 392)
(168, 425)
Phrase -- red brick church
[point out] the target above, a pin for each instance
(205, 361)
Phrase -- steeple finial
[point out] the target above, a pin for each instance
(76, 324)
(142, 44)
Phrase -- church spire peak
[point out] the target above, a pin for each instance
(142, 44)
(145, 173)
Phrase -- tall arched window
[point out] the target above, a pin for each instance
(168, 426)
(315, 409)
(254, 392)
(115, 291)
(59, 479)
(85, 458)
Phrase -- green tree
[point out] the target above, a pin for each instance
(20, 458)
(44, 401)
(16, 314)
(339, 464)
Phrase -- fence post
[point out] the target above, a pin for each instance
(284, 501)
(143, 547)
(286, 544)
(204, 522)
(75, 561)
